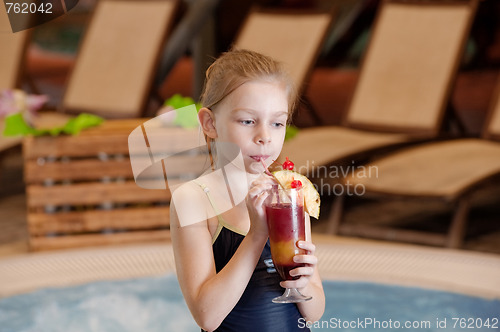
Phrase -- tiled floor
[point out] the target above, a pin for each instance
(483, 231)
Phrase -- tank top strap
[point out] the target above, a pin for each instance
(220, 219)
(221, 223)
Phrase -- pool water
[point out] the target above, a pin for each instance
(155, 304)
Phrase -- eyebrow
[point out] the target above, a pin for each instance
(247, 110)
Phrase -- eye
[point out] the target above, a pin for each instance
(278, 124)
(247, 122)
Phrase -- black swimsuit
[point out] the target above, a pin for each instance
(254, 311)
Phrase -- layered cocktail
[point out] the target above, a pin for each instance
(286, 206)
(286, 227)
(286, 223)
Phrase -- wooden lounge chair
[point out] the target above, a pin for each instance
(115, 65)
(116, 62)
(403, 88)
(294, 37)
(114, 70)
(449, 170)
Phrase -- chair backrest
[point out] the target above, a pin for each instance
(492, 124)
(12, 55)
(115, 66)
(409, 66)
(292, 37)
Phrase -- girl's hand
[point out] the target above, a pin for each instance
(257, 194)
(304, 272)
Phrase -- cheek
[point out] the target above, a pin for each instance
(238, 137)
(279, 138)
(234, 135)
(278, 141)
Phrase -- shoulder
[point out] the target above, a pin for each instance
(190, 189)
(189, 203)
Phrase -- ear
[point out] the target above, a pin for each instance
(207, 122)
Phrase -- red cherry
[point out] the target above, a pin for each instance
(288, 165)
(296, 184)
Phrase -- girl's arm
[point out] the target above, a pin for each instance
(211, 296)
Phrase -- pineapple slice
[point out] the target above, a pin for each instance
(311, 196)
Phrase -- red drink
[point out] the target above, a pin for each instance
(286, 226)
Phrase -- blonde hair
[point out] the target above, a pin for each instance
(236, 67)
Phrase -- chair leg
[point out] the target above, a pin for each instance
(1, 166)
(336, 214)
(31, 84)
(306, 102)
(453, 121)
(456, 232)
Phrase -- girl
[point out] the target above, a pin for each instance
(223, 259)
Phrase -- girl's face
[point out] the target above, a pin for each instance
(254, 118)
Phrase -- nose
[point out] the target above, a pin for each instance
(263, 135)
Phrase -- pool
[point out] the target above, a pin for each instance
(154, 304)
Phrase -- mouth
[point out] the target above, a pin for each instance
(259, 157)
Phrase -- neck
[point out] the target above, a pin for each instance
(251, 177)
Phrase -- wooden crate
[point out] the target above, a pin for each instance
(81, 190)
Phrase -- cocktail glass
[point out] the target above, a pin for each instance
(286, 223)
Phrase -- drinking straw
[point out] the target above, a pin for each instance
(266, 170)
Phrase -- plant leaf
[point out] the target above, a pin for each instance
(291, 131)
(183, 119)
(15, 125)
(82, 121)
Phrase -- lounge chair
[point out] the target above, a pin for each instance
(451, 171)
(115, 66)
(403, 88)
(294, 37)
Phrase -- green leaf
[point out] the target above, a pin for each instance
(186, 119)
(82, 121)
(291, 131)
(16, 125)
(183, 119)
(176, 101)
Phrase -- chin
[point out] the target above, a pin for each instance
(254, 168)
